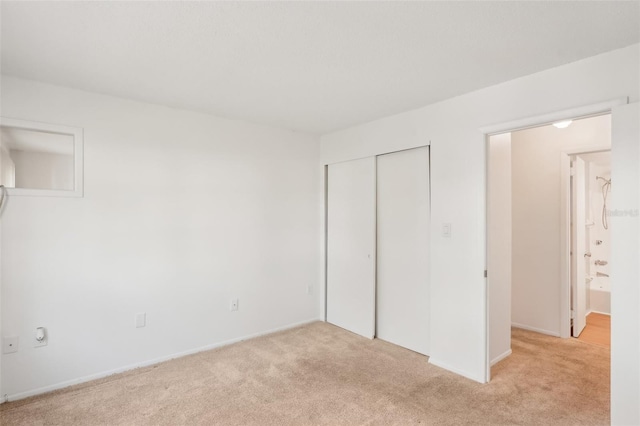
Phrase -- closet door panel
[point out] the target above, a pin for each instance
(351, 246)
(403, 249)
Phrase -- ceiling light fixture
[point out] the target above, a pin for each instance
(563, 124)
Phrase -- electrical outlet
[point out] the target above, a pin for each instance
(233, 306)
(41, 337)
(9, 345)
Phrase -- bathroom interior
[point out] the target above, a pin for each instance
(597, 232)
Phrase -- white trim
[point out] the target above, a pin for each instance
(325, 240)
(565, 246)
(67, 383)
(78, 157)
(452, 369)
(588, 149)
(374, 259)
(544, 119)
(328, 163)
(598, 312)
(537, 330)
(485, 230)
(501, 357)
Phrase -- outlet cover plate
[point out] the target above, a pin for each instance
(42, 342)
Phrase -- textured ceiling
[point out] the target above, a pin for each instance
(308, 66)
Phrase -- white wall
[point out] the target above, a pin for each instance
(182, 211)
(43, 170)
(625, 266)
(499, 246)
(536, 264)
(458, 311)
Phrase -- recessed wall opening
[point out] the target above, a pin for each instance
(40, 159)
(33, 159)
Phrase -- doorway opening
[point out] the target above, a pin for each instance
(546, 231)
(623, 213)
(590, 187)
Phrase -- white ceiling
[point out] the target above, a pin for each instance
(307, 66)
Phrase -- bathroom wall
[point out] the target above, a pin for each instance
(600, 287)
(536, 217)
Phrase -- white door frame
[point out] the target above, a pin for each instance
(527, 123)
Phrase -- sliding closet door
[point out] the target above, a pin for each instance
(403, 249)
(351, 246)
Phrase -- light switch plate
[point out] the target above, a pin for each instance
(233, 305)
(141, 320)
(446, 230)
(9, 345)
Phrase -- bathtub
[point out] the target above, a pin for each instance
(600, 295)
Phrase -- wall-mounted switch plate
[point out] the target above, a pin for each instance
(446, 230)
(233, 306)
(141, 320)
(9, 345)
(309, 289)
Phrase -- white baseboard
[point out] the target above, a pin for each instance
(457, 370)
(537, 330)
(67, 383)
(598, 312)
(501, 357)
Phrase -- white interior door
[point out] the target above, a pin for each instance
(625, 265)
(402, 302)
(579, 247)
(351, 226)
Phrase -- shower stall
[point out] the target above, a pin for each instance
(598, 188)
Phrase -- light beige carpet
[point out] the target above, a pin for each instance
(321, 374)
